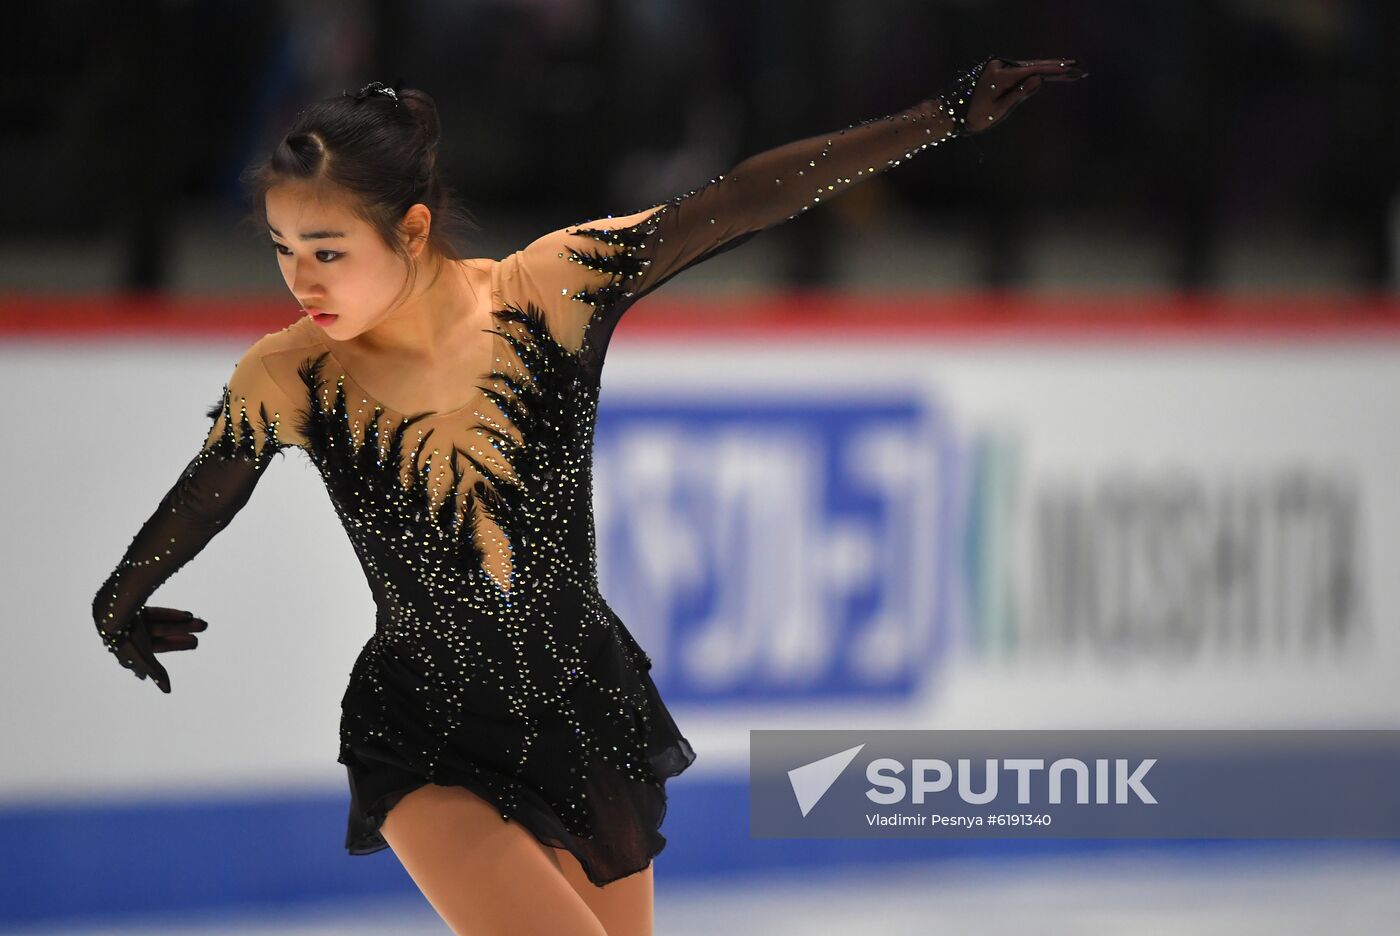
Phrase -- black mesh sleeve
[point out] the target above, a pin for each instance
(781, 183)
(212, 488)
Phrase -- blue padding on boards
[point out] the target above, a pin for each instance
(116, 862)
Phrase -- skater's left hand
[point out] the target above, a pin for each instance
(1002, 84)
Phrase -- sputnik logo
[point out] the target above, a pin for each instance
(811, 781)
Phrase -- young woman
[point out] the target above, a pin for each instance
(500, 731)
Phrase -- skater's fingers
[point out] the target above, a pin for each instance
(174, 642)
(163, 615)
(177, 628)
(1015, 75)
(141, 653)
(1014, 64)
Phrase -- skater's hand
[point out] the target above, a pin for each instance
(998, 85)
(150, 631)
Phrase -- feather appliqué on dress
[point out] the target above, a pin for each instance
(243, 444)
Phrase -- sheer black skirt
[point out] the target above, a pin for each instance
(627, 813)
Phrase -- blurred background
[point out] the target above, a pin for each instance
(1226, 145)
(1085, 422)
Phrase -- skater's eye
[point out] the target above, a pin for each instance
(335, 254)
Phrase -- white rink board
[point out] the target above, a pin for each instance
(1126, 424)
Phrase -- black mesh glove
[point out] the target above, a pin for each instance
(149, 631)
(986, 93)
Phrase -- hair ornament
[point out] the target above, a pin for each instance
(379, 87)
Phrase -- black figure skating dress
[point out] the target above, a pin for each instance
(495, 664)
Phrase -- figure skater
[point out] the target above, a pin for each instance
(500, 731)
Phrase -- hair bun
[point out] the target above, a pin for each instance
(420, 105)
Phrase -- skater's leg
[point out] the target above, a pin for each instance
(483, 875)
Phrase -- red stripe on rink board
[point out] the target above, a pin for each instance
(817, 315)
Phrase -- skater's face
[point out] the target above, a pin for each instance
(333, 261)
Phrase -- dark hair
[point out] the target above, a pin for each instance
(381, 151)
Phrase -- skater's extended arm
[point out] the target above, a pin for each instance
(781, 183)
(212, 488)
(634, 254)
